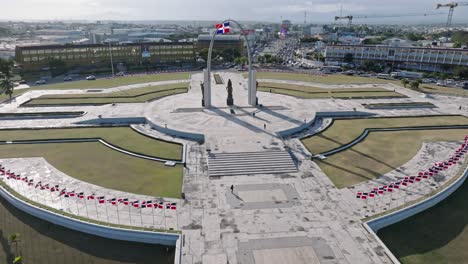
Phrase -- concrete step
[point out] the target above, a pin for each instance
(246, 163)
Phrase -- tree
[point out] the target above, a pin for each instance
(348, 58)
(461, 72)
(405, 82)
(57, 67)
(6, 68)
(414, 85)
(6, 86)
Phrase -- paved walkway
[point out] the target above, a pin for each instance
(295, 217)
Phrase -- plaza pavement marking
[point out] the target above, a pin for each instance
(97, 164)
(299, 250)
(436, 235)
(122, 137)
(310, 92)
(137, 95)
(344, 79)
(262, 196)
(344, 131)
(399, 105)
(40, 240)
(380, 153)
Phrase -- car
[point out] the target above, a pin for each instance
(41, 82)
(22, 82)
(67, 79)
(120, 74)
(91, 78)
(440, 83)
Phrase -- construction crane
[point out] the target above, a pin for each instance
(451, 7)
(351, 17)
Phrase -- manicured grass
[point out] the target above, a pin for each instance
(344, 79)
(114, 82)
(344, 131)
(44, 242)
(103, 83)
(380, 153)
(123, 137)
(139, 95)
(330, 94)
(436, 235)
(97, 164)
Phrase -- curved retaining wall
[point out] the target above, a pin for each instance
(368, 130)
(91, 228)
(374, 225)
(381, 222)
(177, 133)
(100, 140)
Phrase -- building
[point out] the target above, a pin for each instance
(95, 55)
(222, 42)
(416, 58)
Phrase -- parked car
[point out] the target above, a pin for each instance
(67, 79)
(440, 83)
(22, 82)
(91, 78)
(120, 74)
(41, 82)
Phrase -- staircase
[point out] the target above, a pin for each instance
(246, 163)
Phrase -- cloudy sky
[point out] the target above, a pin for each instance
(261, 10)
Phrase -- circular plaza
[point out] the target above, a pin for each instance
(317, 172)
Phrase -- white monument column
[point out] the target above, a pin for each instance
(207, 88)
(253, 87)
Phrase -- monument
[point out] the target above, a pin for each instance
(229, 100)
(202, 86)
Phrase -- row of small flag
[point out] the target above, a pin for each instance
(81, 195)
(436, 168)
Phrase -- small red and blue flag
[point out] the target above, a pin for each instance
(222, 28)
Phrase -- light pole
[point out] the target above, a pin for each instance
(110, 54)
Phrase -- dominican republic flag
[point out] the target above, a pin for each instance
(222, 28)
(101, 199)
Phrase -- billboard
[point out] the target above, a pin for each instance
(145, 53)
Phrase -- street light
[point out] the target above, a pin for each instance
(112, 63)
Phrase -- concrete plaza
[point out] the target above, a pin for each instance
(294, 217)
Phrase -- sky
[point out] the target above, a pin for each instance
(321, 11)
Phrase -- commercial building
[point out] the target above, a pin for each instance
(95, 55)
(417, 58)
(222, 42)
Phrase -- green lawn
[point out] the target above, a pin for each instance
(123, 137)
(44, 242)
(380, 153)
(138, 95)
(114, 82)
(436, 235)
(344, 79)
(344, 131)
(104, 83)
(334, 94)
(97, 164)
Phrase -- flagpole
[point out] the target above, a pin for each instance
(118, 218)
(130, 214)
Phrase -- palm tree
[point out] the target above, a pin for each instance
(6, 86)
(15, 239)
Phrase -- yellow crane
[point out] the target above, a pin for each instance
(451, 7)
(351, 17)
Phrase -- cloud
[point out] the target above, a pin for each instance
(262, 10)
